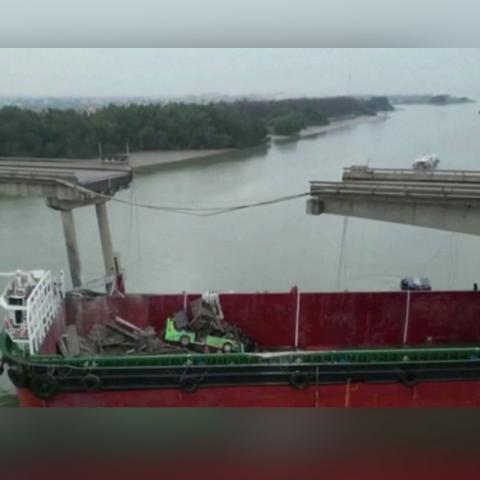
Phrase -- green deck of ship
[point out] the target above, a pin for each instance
(358, 356)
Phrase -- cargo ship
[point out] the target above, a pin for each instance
(346, 349)
(411, 347)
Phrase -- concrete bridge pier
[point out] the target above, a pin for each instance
(71, 243)
(68, 184)
(106, 241)
(73, 255)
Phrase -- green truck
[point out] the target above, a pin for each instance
(188, 338)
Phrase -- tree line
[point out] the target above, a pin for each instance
(76, 134)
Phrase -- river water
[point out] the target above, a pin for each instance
(273, 247)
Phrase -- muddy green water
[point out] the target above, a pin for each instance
(269, 248)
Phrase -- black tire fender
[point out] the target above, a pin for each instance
(189, 383)
(299, 380)
(408, 378)
(91, 382)
(18, 376)
(44, 386)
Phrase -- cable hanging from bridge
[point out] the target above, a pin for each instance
(192, 211)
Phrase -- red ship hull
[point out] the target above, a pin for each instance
(306, 321)
(426, 394)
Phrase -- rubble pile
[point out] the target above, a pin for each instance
(120, 337)
(114, 338)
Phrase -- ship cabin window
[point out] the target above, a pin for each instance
(19, 316)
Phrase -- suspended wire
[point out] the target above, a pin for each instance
(129, 228)
(137, 229)
(340, 268)
(258, 204)
(453, 258)
(193, 211)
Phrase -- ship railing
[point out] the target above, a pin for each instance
(43, 306)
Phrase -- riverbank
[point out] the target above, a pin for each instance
(147, 162)
(331, 127)
(151, 161)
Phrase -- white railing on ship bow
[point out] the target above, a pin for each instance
(43, 305)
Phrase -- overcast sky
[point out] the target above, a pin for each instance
(245, 23)
(180, 72)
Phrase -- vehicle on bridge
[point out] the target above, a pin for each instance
(415, 283)
(427, 162)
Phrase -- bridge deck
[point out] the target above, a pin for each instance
(364, 173)
(438, 192)
(58, 179)
(441, 199)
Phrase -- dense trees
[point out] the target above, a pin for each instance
(317, 110)
(288, 123)
(289, 116)
(378, 104)
(71, 133)
(428, 99)
(439, 99)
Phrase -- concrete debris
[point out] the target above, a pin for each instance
(115, 338)
(123, 331)
(98, 333)
(128, 325)
(87, 347)
(120, 337)
(69, 342)
(62, 346)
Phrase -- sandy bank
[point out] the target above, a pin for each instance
(335, 125)
(150, 161)
(145, 162)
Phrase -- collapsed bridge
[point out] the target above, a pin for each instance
(66, 185)
(441, 199)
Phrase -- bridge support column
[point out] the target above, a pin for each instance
(72, 247)
(106, 239)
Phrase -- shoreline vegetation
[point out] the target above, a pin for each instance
(151, 161)
(439, 100)
(337, 124)
(68, 133)
(165, 133)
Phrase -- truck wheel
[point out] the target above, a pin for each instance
(227, 347)
(184, 340)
